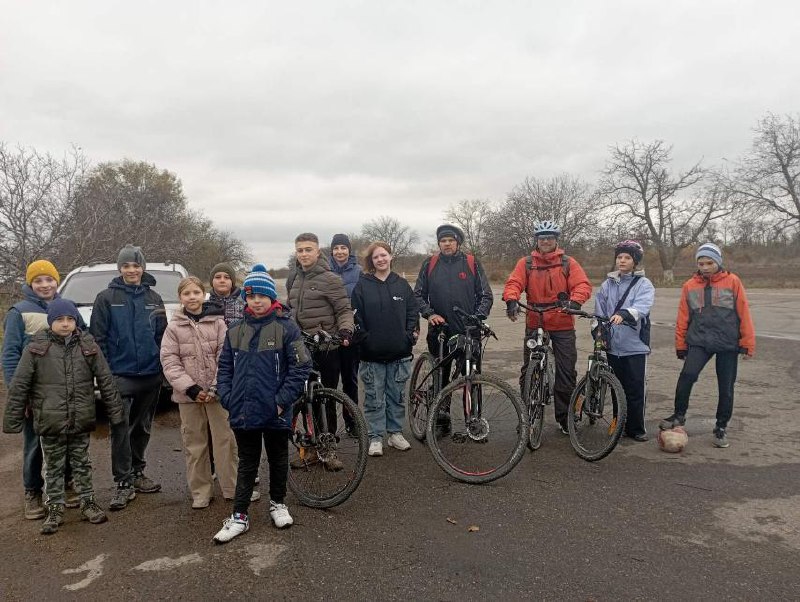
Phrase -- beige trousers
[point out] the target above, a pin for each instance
(196, 419)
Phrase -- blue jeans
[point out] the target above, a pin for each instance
(384, 395)
(32, 458)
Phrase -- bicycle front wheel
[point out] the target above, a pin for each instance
(420, 394)
(477, 429)
(595, 423)
(534, 395)
(327, 465)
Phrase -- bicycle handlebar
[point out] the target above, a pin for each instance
(584, 314)
(477, 320)
(320, 338)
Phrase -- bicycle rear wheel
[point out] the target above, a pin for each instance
(420, 395)
(325, 474)
(595, 424)
(488, 429)
(534, 396)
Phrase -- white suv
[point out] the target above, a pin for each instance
(83, 284)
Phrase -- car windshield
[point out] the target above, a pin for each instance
(82, 288)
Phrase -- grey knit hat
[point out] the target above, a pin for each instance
(131, 254)
(226, 268)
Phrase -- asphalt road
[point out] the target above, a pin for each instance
(640, 524)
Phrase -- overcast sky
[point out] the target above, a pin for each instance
(282, 118)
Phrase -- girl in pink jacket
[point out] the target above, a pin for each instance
(189, 353)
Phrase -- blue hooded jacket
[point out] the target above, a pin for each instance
(263, 366)
(128, 322)
(625, 339)
(349, 272)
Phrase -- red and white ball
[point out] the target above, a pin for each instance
(673, 441)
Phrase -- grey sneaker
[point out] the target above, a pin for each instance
(92, 512)
(55, 518)
(124, 494)
(670, 422)
(33, 506)
(720, 440)
(143, 484)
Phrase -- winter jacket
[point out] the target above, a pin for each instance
(349, 272)
(319, 301)
(386, 311)
(190, 350)
(24, 320)
(263, 366)
(543, 283)
(232, 306)
(55, 378)
(624, 338)
(128, 322)
(714, 314)
(452, 284)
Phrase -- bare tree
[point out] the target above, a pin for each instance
(767, 180)
(639, 188)
(37, 201)
(565, 199)
(388, 229)
(471, 215)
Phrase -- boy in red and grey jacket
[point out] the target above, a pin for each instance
(713, 320)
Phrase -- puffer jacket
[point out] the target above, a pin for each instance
(128, 322)
(190, 350)
(349, 272)
(543, 283)
(55, 378)
(24, 320)
(232, 306)
(714, 314)
(625, 339)
(319, 301)
(263, 366)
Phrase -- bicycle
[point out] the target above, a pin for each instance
(597, 407)
(424, 385)
(319, 440)
(490, 439)
(540, 377)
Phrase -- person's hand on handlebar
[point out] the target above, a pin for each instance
(436, 320)
(345, 336)
(512, 310)
(616, 319)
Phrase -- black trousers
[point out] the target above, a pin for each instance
(630, 370)
(329, 366)
(727, 363)
(348, 367)
(566, 354)
(276, 442)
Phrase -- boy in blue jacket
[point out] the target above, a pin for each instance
(262, 371)
(627, 296)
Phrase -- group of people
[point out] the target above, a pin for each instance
(236, 361)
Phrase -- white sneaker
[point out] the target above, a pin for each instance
(375, 448)
(397, 441)
(279, 514)
(255, 496)
(235, 525)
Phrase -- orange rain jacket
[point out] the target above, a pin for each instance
(542, 285)
(714, 314)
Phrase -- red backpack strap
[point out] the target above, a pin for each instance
(471, 264)
(432, 263)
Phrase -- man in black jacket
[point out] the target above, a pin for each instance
(449, 279)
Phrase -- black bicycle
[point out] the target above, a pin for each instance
(597, 407)
(327, 462)
(482, 438)
(539, 380)
(425, 384)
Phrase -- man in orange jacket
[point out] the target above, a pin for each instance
(542, 276)
(713, 319)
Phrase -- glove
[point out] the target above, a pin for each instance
(193, 392)
(512, 308)
(573, 305)
(346, 336)
(680, 354)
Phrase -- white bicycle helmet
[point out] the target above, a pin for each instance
(548, 228)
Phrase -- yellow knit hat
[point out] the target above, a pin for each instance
(41, 267)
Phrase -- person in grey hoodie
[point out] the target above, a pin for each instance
(627, 297)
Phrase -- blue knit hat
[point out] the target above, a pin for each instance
(710, 250)
(61, 307)
(259, 282)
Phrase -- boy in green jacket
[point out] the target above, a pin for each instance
(55, 381)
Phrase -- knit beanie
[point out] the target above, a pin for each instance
(131, 254)
(61, 307)
(223, 267)
(259, 282)
(341, 239)
(41, 267)
(710, 250)
(449, 230)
